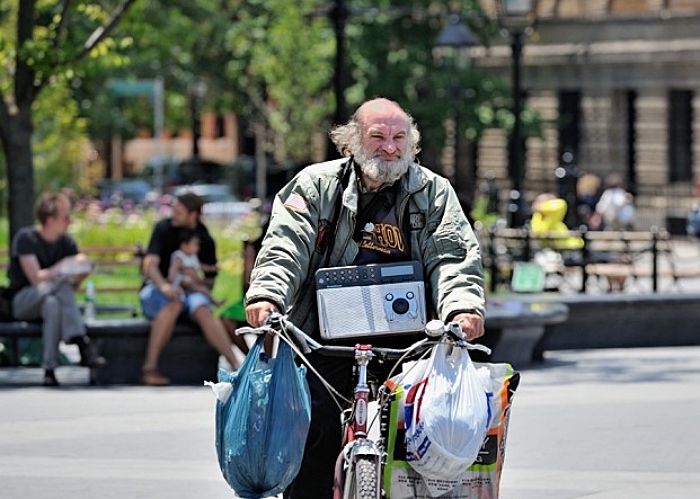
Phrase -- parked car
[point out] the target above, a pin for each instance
(171, 173)
(119, 193)
(219, 201)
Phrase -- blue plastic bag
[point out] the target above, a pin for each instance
(261, 428)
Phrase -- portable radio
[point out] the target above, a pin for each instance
(370, 300)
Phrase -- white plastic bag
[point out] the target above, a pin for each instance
(482, 479)
(447, 415)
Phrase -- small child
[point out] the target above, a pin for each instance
(185, 270)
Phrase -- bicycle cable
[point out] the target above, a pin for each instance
(331, 390)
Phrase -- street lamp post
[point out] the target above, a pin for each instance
(516, 17)
(197, 92)
(455, 37)
(339, 15)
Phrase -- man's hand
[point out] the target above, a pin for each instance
(257, 312)
(172, 292)
(82, 262)
(472, 325)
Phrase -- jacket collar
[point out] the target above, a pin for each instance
(413, 181)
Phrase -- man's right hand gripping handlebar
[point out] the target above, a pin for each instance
(256, 313)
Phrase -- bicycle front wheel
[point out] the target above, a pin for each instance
(366, 478)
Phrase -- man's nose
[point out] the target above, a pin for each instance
(389, 146)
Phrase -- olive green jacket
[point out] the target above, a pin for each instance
(441, 238)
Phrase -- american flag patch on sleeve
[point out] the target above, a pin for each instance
(296, 202)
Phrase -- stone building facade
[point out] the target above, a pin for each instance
(618, 84)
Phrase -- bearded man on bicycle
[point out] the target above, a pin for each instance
(376, 205)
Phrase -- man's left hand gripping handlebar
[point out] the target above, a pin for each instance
(256, 313)
(472, 325)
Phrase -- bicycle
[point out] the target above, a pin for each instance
(363, 457)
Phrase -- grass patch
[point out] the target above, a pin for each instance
(115, 228)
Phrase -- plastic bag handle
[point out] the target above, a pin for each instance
(278, 324)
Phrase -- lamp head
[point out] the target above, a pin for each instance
(516, 15)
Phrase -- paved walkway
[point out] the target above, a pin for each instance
(594, 424)
(616, 423)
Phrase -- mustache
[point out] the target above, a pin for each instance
(380, 170)
(386, 172)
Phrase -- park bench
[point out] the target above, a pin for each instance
(122, 338)
(613, 258)
(514, 328)
(108, 260)
(187, 358)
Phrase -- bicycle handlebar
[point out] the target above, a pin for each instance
(276, 323)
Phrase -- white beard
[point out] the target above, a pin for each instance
(379, 170)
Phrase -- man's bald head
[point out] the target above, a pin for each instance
(380, 107)
(383, 140)
(348, 137)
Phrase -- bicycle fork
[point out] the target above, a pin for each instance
(363, 458)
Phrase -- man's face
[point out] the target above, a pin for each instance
(384, 133)
(181, 217)
(383, 153)
(61, 220)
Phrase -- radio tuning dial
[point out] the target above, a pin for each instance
(400, 306)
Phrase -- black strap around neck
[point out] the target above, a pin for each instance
(343, 181)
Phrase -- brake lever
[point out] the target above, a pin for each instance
(253, 330)
(454, 331)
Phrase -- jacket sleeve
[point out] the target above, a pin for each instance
(282, 264)
(452, 258)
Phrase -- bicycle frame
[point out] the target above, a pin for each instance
(361, 456)
(359, 446)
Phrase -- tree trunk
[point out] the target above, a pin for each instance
(20, 170)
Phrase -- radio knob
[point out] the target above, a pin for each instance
(409, 295)
(389, 297)
(400, 306)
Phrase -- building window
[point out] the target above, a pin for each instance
(569, 123)
(631, 140)
(680, 136)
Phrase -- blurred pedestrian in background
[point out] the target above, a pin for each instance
(164, 302)
(587, 193)
(45, 271)
(616, 205)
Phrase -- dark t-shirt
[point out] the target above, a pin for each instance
(165, 240)
(377, 232)
(28, 241)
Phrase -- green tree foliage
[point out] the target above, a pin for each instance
(43, 44)
(171, 40)
(280, 66)
(270, 61)
(391, 47)
(60, 139)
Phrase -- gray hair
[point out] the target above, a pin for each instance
(348, 137)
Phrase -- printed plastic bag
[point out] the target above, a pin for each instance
(447, 415)
(262, 420)
(481, 480)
